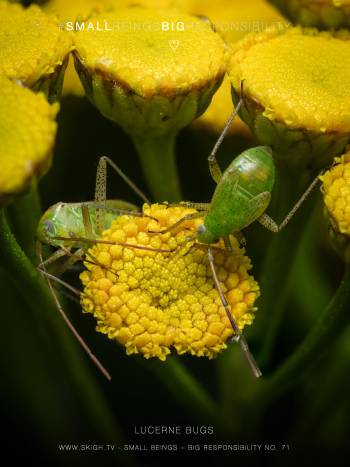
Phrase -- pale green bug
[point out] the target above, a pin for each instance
(73, 227)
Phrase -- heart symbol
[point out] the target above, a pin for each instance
(174, 44)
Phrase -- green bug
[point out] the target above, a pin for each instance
(241, 197)
(72, 228)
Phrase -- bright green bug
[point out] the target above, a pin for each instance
(247, 183)
(242, 195)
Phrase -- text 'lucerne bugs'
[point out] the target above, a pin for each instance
(242, 195)
(72, 228)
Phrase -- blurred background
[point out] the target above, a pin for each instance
(42, 407)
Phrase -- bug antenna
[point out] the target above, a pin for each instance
(239, 338)
(228, 123)
(59, 307)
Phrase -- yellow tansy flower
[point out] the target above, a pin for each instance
(27, 133)
(296, 79)
(153, 302)
(336, 190)
(80, 10)
(137, 52)
(233, 19)
(324, 14)
(152, 72)
(32, 46)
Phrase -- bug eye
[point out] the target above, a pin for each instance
(49, 227)
(201, 229)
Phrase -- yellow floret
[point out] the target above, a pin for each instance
(159, 302)
(299, 77)
(336, 190)
(31, 43)
(138, 49)
(27, 133)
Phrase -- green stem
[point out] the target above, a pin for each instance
(24, 215)
(157, 157)
(184, 388)
(280, 256)
(37, 296)
(302, 255)
(319, 340)
(319, 405)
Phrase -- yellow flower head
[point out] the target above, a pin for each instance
(27, 133)
(31, 44)
(336, 191)
(296, 93)
(300, 77)
(138, 50)
(82, 10)
(233, 19)
(153, 302)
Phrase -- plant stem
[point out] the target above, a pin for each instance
(36, 294)
(320, 338)
(303, 256)
(157, 157)
(280, 256)
(184, 387)
(25, 214)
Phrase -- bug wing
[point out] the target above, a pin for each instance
(256, 207)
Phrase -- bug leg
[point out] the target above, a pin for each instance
(86, 220)
(239, 338)
(101, 187)
(187, 217)
(228, 244)
(241, 238)
(101, 179)
(188, 204)
(58, 254)
(60, 309)
(194, 205)
(271, 225)
(92, 241)
(214, 167)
